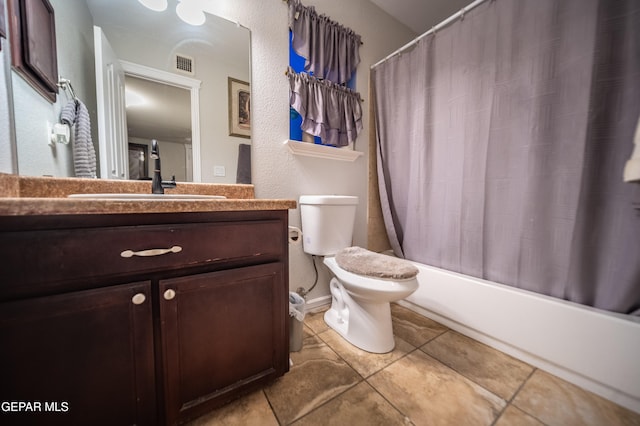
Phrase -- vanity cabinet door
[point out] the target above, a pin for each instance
(222, 333)
(81, 358)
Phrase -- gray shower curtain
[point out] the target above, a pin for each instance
(501, 145)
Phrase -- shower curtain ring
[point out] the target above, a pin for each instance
(462, 12)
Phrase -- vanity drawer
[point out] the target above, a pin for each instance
(30, 259)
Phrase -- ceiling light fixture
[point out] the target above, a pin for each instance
(191, 12)
(157, 5)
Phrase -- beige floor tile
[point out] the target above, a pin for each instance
(317, 375)
(308, 330)
(488, 367)
(430, 393)
(315, 321)
(412, 327)
(557, 402)
(365, 363)
(250, 410)
(451, 380)
(513, 416)
(360, 405)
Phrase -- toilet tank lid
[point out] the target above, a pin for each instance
(329, 199)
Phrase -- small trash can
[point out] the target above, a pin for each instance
(296, 317)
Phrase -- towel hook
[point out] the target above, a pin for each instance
(65, 84)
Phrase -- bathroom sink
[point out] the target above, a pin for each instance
(147, 197)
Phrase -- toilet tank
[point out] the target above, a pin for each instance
(327, 223)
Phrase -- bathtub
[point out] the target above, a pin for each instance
(596, 350)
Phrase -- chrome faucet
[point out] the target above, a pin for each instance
(157, 184)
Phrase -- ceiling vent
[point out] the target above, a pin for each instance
(184, 64)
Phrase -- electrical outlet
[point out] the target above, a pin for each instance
(58, 133)
(219, 171)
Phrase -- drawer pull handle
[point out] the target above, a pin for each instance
(151, 252)
(138, 299)
(169, 294)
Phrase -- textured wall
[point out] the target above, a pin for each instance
(276, 172)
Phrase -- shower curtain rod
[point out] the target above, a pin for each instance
(450, 19)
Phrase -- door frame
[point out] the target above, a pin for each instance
(191, 84)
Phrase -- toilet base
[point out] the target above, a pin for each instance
(364, 324)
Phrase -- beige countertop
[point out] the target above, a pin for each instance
(25, 195)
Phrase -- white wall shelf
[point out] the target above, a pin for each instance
(306, 149)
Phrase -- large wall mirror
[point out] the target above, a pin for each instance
(175, 84)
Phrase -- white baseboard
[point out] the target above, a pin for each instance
(317, 304)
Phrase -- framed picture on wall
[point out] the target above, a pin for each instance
(239, 108)
(32, 33)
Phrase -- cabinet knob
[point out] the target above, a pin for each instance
(169, 294)
(138, 299)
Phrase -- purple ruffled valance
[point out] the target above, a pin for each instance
(331, 50)
(328, 110)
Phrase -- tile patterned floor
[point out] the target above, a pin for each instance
(434, 376)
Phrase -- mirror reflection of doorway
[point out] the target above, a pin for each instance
(138, 161)
(160, 111)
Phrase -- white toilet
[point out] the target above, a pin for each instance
(365, 282)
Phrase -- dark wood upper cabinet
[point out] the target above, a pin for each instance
(33, 44)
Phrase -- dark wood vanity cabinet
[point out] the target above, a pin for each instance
(84, 357)
(91, 334)
(242, 334)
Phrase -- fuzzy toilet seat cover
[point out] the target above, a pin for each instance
(364, 262)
